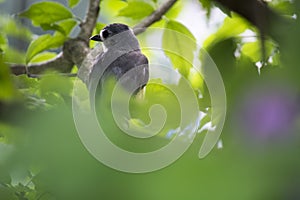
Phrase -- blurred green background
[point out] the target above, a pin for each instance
(257, 157)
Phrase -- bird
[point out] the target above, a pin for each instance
(121, 59)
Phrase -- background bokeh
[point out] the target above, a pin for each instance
(257, 157)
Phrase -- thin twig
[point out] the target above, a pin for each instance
(38, 76)
(154, 17)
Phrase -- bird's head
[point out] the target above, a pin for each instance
(116, 35)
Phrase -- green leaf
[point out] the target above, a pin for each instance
(3, 40)
(12, 55)
(7, 90)
(222, 54)
(196, 79)
(54, 88)
(283, 7)
(46, 13)
(7, 137)
(111, 8)
(73, 3)
(254, 52)
(177, 38)
(10, 27)
(47, 41)
(55, 83)
(42, 43)
(232, 26)
(206, 4)
(175, 10)
(53, 98)
(136, 10)
(64, 27)
(47, 27)
(24, 82)
(43, 57)
(224, 9)
(67, 25)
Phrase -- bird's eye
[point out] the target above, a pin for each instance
(104, 34)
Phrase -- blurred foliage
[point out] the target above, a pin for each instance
(42, 157)
(8, 90)
(231, 27)
(73, 3)
(206, 4)
(46, 42)
(11, 29)
(177, 36)
(49, 16)
(136, 10)
(156, 93)
(40, 13)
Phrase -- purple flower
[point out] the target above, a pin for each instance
(269, 112)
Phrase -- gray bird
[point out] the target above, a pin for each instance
(121, 59)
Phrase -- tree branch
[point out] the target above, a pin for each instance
(74, 50)
(58, 63)
(256, 12)
(90, 20)
(259, 14)
(154, 17)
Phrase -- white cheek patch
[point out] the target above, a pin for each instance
(101, 35)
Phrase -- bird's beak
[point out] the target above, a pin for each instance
(96, 38)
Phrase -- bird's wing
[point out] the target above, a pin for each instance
(131, 69)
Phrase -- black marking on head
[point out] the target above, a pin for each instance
(113, 29)
(105, 34)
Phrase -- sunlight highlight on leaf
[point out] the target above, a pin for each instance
(73, 3)
(253, 50)
(231, 27)
(43, 57)
(177, 36)
(42, 43)
(46, 13)
(136, 10)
